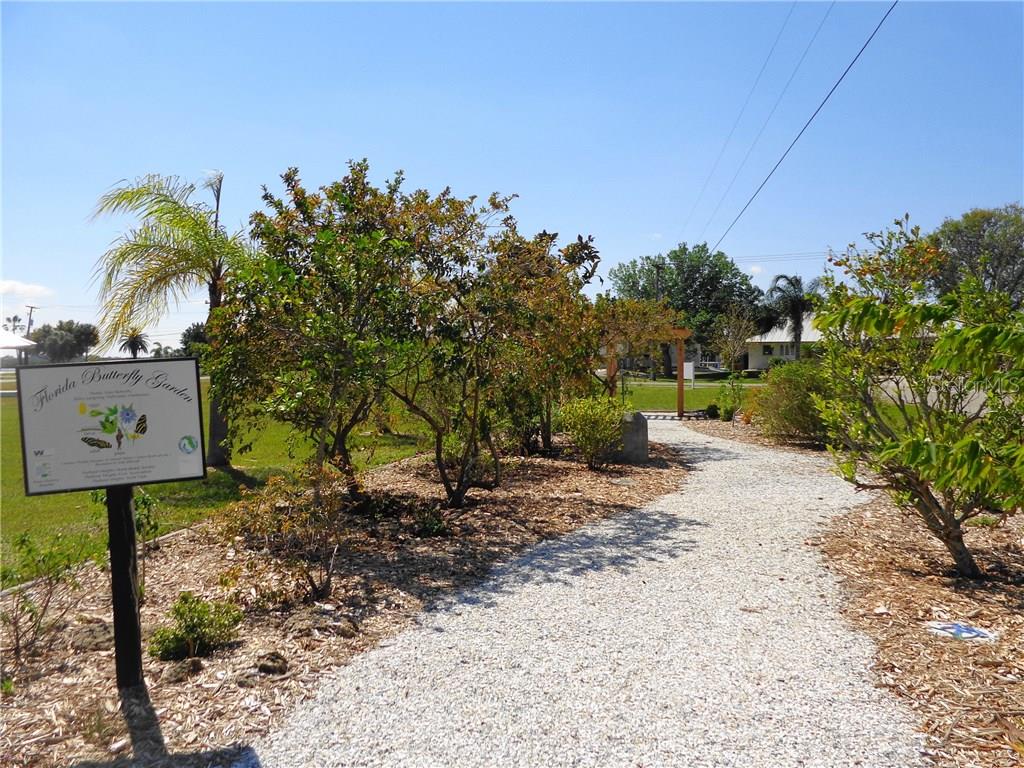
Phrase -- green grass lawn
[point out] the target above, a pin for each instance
(661, 396)
(83, 522)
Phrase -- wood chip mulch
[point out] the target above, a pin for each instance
(968, 695)
(65, 709)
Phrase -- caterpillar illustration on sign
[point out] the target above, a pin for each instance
(117, 421)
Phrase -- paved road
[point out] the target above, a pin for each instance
(699, 631)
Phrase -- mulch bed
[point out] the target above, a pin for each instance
(65, 711)
(969, 695)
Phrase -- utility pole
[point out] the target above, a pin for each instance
(28, 329)
(31, 309)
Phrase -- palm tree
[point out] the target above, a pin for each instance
(793, 302)
(134, 341)
(14, 325)
(177, 246)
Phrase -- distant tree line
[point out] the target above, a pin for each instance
(724, 308)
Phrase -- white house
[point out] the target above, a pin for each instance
(778, 343)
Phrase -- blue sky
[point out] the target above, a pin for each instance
(604, 118)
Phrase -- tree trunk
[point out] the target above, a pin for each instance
(341, 457)
(943, 525)
(218, 452)
(666, 360)
(545, 425)
(449, 489)
(352, 485)
(965, 563)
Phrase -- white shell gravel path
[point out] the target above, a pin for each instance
(698, 631)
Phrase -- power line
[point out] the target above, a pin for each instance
(736, 122)
(97, 306)
(761, 259)
(807, 124)
(764, 125)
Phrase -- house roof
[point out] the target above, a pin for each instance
(10, 340)
(785, 334)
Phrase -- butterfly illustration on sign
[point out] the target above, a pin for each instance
(120, 422)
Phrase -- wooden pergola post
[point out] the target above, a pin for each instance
(681, 335)
(611, 373)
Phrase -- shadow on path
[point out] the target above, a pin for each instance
(149, 749)
(700, 451)
(619, 544)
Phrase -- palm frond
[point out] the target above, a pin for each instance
(156, 199)
(145, 196)
(142, 273)
(176, 248)
(214, 182)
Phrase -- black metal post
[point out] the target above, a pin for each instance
(124, 586)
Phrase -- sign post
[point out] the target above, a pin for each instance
(113, 425)
(124, 586)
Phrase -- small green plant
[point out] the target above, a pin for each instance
(730, 397)
(985, 521)
(7, 687)
(595, 426)
(200, 626)
(100, 725)
(429, 523)
(44, 592)
(712, 411)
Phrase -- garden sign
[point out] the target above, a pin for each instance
(113, 425)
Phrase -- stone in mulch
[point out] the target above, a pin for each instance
(93, 634)
(272, 663)
(180, 671)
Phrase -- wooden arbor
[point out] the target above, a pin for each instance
(679, 337)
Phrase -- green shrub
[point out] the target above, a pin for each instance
(730, 397)
(785, 405)
(35, 612)
(595, 426)
(200, 626)
(985, 521)
(712, 411)
(300, 520)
